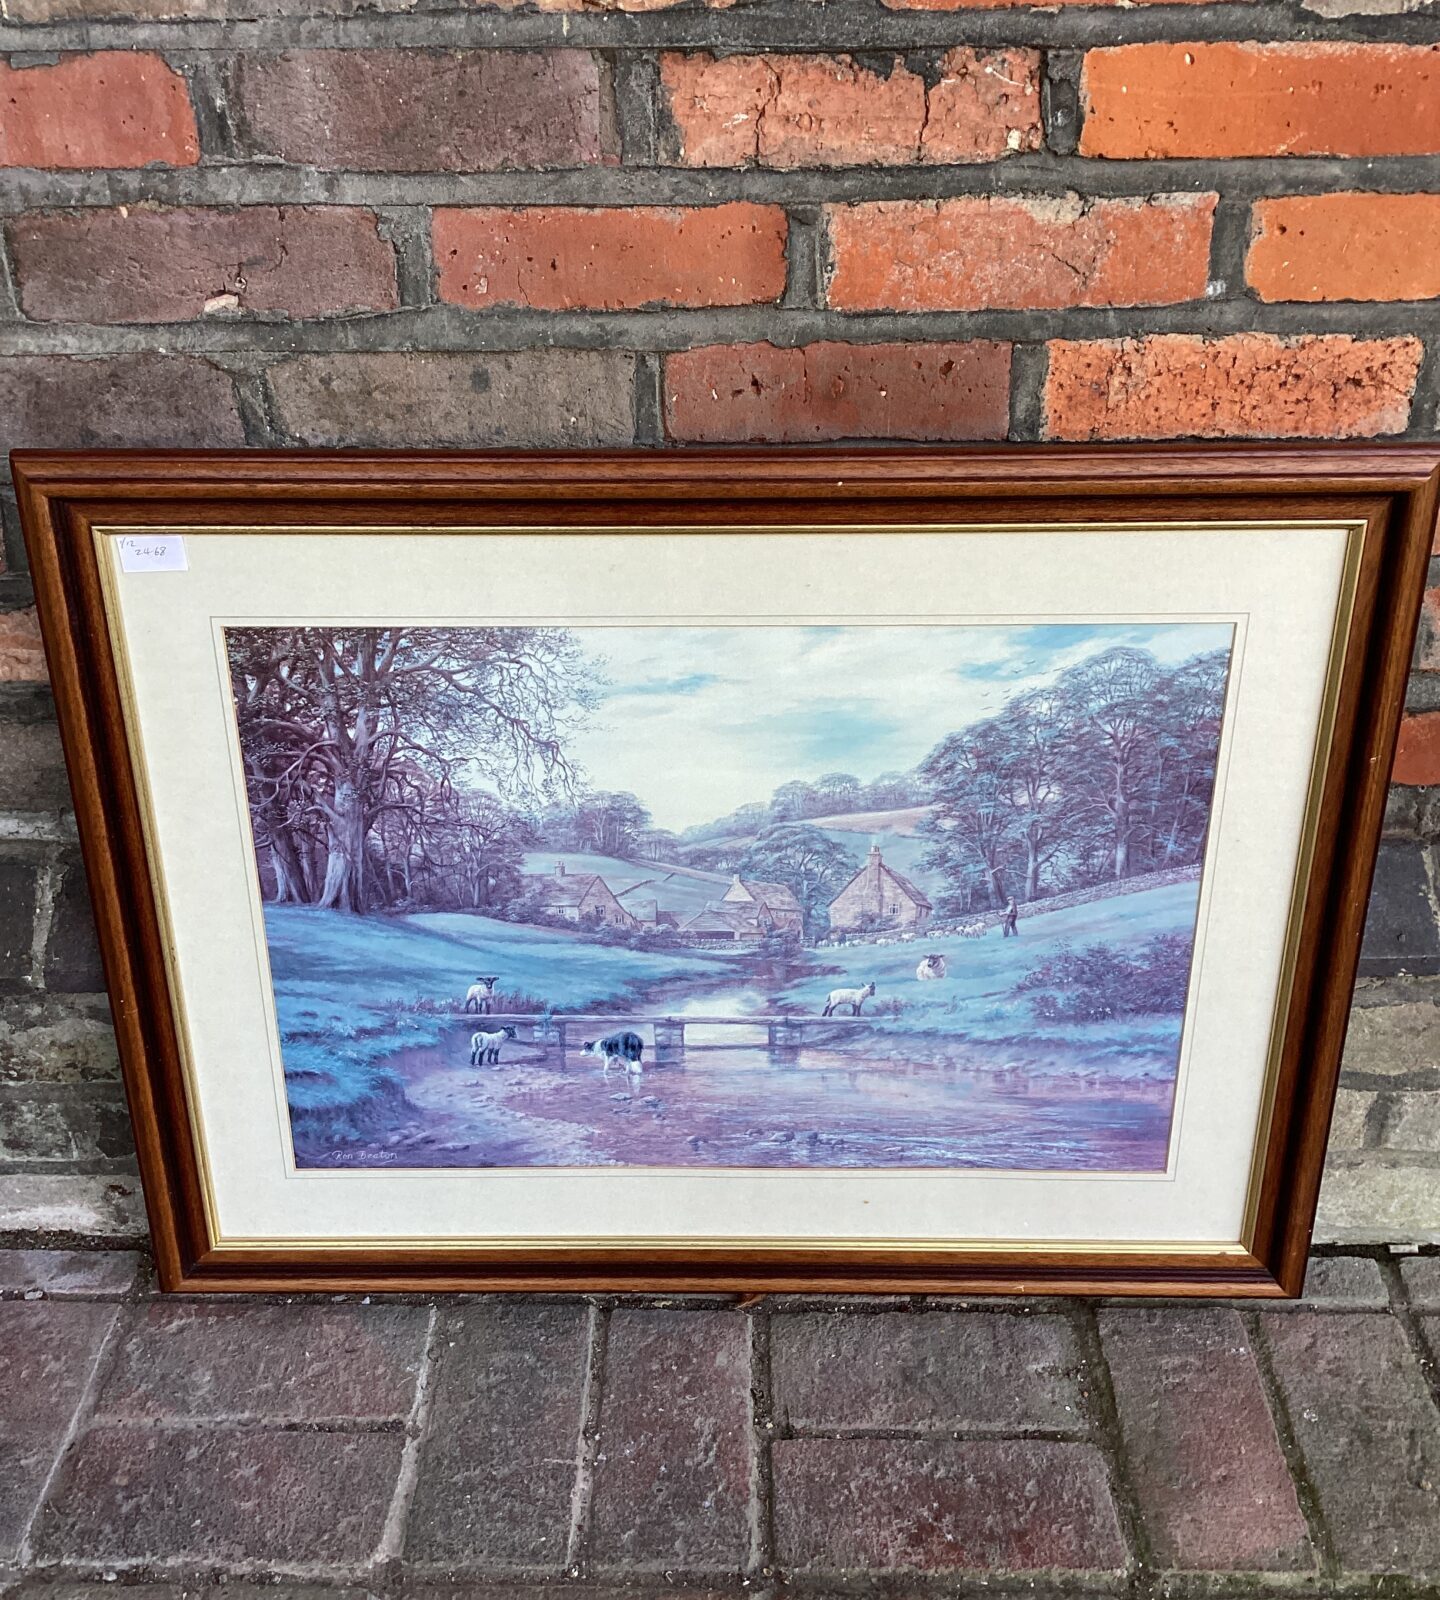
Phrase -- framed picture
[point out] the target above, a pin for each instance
(897, 870)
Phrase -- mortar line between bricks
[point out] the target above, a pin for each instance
(1104, 1414)
(1404, 1313)
(79, 1421)
(1305, 1491)
(392, 1535)
(587, 1442)
(761, 1506)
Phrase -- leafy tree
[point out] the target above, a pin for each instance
(813, 866)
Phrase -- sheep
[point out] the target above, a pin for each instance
(486, 1046)
(854, 998)
(480, 996)
(617, 1050)
(971, 930)
(931, 966)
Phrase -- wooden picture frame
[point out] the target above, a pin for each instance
(1385, 494)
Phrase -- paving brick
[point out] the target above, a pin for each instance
(1345, 247)
(1203, 1452)
(977, 253)
(254, 1363)
(80, 1203)
(1253, 385)
(1370, 1435)
(1349, 1123)
(938, 1371)
(76, 1126)
(1427, 643)
(789, 111)
(672, 1471)
(115, 108)
(731, 394)
(147, 399)
(218, 1497)
(1393, 1039)
(1352, 1281)
(57, 1274)
(423, 111)
(47, 1352)
(561, 258)
(1400, 929)
(498, 1469)
(72, 956)
(1159, 101)
(535, 397)
(1421, 1277)
(56, 1039)
(22, 654)
(900, 1505)
(154, 264)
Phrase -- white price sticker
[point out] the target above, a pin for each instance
(152, 552)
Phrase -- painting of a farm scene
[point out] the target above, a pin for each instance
(731, 896)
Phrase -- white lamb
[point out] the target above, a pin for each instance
(486, 1046)
(854, 998)
(480, 996)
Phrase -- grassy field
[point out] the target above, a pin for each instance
(351, 992)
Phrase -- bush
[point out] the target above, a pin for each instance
(1099, 983)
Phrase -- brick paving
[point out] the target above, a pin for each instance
(648, 1446)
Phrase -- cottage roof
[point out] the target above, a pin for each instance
(774, 895)
(572, 889)
(720, 918)
(911, 892)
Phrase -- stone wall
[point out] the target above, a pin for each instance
(291, 222)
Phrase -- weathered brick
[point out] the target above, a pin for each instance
(1203, 1453)
(75, 1126)
(1393, 1039)
(497, 1473)
(978, 252)
(18, 892)
(297, 1363)
(32, 764)
(1370, 1435)
(1368, 1201)
(936, 1372)
(1347, 1126)
(1417, 755)
(115, 108)
(1401, 935)
(419, 111)
(672, 1471)
(535, 397)
(1244, 385)
(1421, 1276)
(22, 654)
(95, 1207)
(1346, 247)
(560, 258)
(1413, 1122)
(149, 399)
(1157, 101)
(58, 1274)
(1352, 1281)
(898, 1505)
(46, 1355)
(1427, 643)
(56, 1039)
(151, 264)
(788, 111)
(222, 1496)
(72, 957)
(728, 394)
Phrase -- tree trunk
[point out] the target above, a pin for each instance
(1032, 868)
(344, 888)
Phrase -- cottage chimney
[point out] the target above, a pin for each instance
(874, 884)
(559, 869)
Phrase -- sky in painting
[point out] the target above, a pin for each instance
(700, 720)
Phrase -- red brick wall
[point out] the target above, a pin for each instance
(596, 222)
